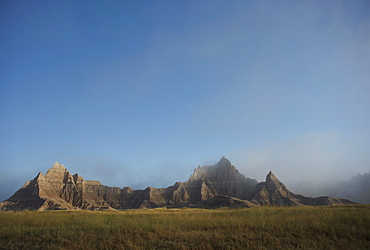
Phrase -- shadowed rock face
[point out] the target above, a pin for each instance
(209, 186)
(222, 179)
(225, 201)
(272, 192)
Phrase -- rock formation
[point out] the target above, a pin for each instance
(58, 189)
(209, 187)
(225, 201)
(272, 192)
(222, 179)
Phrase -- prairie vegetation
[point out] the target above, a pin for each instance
(335, 227)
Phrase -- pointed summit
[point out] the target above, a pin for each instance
(223, 178)
(58, 174)
(271, 177)
(58, 166)
(40, 176)
(274, 192)
(225, 165)
(57, 169)
(221, 184)
(204, 172)
(224, 160)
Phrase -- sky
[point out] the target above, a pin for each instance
(139, 93)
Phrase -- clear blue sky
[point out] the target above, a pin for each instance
(138, 93)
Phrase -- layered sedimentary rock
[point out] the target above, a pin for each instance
(209, 186)
(225, 201)
(58, 189)
(222, 179)
(273, 192)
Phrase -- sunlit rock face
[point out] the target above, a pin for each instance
(43, 192)
(209, 186)
(58, 189)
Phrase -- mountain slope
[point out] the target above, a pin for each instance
(224, 179)
(209, 186)
(273, 192)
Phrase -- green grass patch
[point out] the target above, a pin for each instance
(334, 227)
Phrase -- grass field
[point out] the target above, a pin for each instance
(335, 227)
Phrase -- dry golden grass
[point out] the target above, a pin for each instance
(335, 227)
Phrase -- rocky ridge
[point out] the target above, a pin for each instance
(219, 185)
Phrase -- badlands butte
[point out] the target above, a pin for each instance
(219, 185)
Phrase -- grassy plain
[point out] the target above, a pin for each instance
(335, 227)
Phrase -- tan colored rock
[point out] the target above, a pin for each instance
(272, 192)
(213, 186)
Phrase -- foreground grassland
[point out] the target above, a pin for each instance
(336, 227)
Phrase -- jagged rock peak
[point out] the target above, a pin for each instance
(271, 177)
(212, 186)
(58, 173)
(225, 165)
(77, 178)
(56, 169)
(224, 160)
(222, 168)
(58, 166)
(39, 176)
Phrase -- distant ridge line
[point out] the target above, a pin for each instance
(218, 185)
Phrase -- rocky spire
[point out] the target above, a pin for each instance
(58, 166)
(273, 184)
(274, 192)
(58, 173)
(58, 189)
(40, 176)
(271, 177)
(225, 179)
(224, 160)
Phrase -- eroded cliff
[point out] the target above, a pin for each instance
(209, 186)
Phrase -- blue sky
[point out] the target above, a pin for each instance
(138, 93)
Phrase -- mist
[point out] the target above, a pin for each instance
(311, 165)
(315, 164)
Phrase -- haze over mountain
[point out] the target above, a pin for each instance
(356, 188)
(219, 185)
(139, 92)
